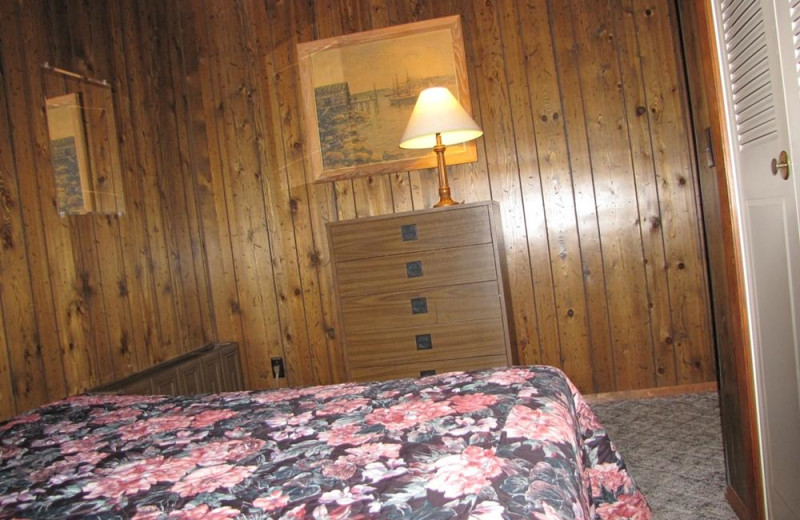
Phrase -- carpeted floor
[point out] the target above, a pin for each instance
(673, 449)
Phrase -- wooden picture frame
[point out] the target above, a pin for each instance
(84, 148)
(69, 154)
(358, 92)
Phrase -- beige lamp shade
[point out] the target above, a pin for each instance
(438, 111)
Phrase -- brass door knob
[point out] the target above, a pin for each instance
(781, 165)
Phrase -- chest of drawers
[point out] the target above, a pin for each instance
(421, 293)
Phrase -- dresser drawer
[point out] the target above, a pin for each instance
(427, 368)
(414, 271)
(366, 238)
(425, 344)
(439, 305)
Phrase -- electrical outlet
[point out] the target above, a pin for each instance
(278, 370)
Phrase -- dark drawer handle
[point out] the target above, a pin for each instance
(424, 342)
(419, 306)
(409, 232)
(414, 269)
(426, 373)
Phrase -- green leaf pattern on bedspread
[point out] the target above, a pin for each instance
(502, 443)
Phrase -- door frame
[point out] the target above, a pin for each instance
(701, 22)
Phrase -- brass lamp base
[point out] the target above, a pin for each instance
(444, 198)
(444, 187)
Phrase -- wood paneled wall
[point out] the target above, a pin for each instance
(586, 147)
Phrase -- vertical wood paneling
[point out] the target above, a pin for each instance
(469, 182)
(7, 401)
(241, 173)
(586, 148)
(207, 176)
(615, 196)
(16, 378)
(501, 158)
(307, 205)
(138, 281)
(103, 267)
(199, 323)
(677, 195)
(157, 162)
(552, 227)
(650, 224)
(180, 222)
(277, 199)
(567, 58)
(41, 352)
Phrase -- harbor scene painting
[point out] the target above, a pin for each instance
(359, 95)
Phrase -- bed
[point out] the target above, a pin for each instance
(516, 442)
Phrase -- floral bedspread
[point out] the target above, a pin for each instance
(500, 443)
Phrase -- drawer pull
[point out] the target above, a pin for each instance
(419, 306)
(409, 232)
(424, 342)
(414, 269)
(426, 373)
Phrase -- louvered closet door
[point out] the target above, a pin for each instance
(760, 43)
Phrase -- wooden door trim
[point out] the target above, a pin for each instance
(703, 23)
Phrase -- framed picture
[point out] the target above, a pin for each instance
(358, 92)
(69, 155)
(84, 150)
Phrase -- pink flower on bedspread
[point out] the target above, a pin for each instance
(283, 419)
(472, 402)
(586, 417)
(211, 478)
(147, 513)
(154, 426)
(24, 419)
(204, 512)
(101, 416)
(217, 452)
(277, 396)
(275, 500)
(63, 428)
(342, 406)
(607, 476)
(298, 513)
(9, 452)
(511, 376)
(88, 443)
(367, 453)
(347, 434)
(465, 473)
(341, 469)
(628, 507)
(209, 417)
(130, 478)
(553, 424)
(410, 413)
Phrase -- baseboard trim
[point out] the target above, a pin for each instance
(647, 393)
(737, 504)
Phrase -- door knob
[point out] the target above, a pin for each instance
(781, 165)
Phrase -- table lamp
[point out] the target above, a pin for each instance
(437, 121)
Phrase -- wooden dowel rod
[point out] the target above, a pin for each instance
(100, 82)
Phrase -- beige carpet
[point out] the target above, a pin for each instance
(673, 449)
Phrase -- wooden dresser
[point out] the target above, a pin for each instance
(210, 369)
(421, 293)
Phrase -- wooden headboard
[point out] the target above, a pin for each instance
(209, 369)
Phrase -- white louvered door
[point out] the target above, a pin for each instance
(759, 40)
